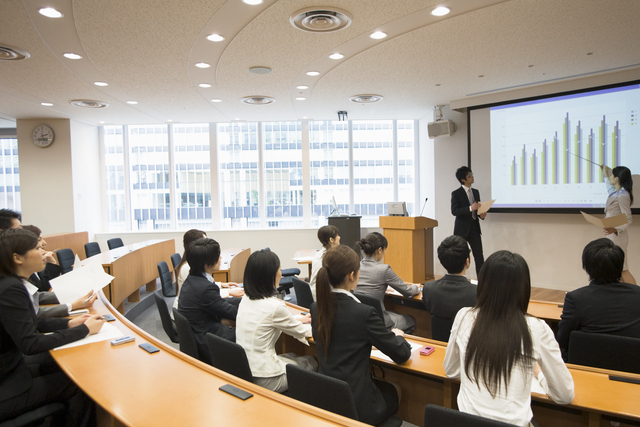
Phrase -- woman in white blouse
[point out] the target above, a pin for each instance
(262, 317)
(328, 236)
(496, 348)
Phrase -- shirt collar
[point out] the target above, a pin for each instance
(209, 277)
(343, 291)
(465, 188)
(31, 289)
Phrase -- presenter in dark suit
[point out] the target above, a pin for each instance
(25, 385)
(465, 202)
(606, 305)
(200, 300)
(445, 297)
(345, 329)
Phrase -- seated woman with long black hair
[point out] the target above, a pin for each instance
(344, 331)
(29, 382)
(496, 348)
(262, 317)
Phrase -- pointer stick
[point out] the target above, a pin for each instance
(580, 157)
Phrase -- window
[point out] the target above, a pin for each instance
(9, 175)
(114, 171)
(406, 168)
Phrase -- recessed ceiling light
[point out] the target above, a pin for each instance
(260, 70)
(216, 100)
(366, 99)
(378, 35)
(50, 12)
(202, 65)
(204, 85)
(88, 103)
(302, 87)
(258, 100)
(215, 37)
(46, 104)
(252, 2)
(440, 11)
(336, 56)
(8, 53)
(300, 98)
(313, 73)
(72, 56)
(101, 84)
(132, 102)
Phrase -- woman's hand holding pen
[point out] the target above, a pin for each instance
(85, 301)
(94, 322)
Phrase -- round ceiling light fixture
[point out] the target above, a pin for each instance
(366, 99)
(258, 100)
(8, 53)
(378, 35)
(71, 55)
(50, 12)
(215, 37)
(88, 103)
(260, 70)
(320, 19)
(440, 11)
(202, 65)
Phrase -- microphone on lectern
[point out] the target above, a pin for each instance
(423, 206)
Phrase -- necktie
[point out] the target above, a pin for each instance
(474, 215)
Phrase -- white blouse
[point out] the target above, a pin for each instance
(512, 405)
(258, 326)
(316, 265)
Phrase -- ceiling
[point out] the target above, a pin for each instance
(147, 50)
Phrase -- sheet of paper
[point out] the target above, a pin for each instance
(536, 387)
(392, 291)
(611, 222)
(108, 332)
(303, 259)
(381, 355)
(71, 286)
(77, 263)
(485, 206)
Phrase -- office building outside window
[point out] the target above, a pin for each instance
(406, 165)
(9, 175)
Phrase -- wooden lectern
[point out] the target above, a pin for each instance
(410, 252)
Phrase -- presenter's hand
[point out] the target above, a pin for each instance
(608, 231)
(483, 215)
(606, 170)
(85, 301)
(237, 292)
(475, 206)
(398, 332)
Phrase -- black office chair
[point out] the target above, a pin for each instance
(373, 302)
(303, 292)
(168, 324)
(437, 416)
(36, 416)
(286, 282)
(175, 260)
(605, 351)
(188, 343)
(441, 328)
(66, 257)
(116, 242)
(165, 280)
(91, 249)
(229, 357)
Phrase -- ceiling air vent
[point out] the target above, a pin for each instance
(258, 100)
(366, 99)
(88, 103)
(320, 19)
(8, 53)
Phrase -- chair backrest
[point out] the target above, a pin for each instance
(38, 414)
(229, 357)
(437, 416)
(319, 390)
(238, 264)
(441, 328)
(116, 242)
(373, 302)
(66, 259)
(188, 343)
(167, 323)
(175, 260)
(165, 280)
(91, 249)
(605, 351)
(303, 292)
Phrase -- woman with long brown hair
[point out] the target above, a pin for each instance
(496, 348)
(344, 331)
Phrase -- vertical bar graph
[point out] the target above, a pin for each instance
(513, 171)
(533, 168)
(576, 149)
(523, 163)
(615, 152)
(589, 158)
(602, 148)
(543, 163)
(554, 161)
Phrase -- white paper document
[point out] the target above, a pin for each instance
(77, 263)
(381, 355)
(108, 332)
(391, 291)
(303, 259)
(71, 286)
(485, 206)
(536, 387)
(611, 222)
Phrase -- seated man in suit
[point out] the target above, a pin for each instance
(445, 297)
(200, 300)
(606, 305)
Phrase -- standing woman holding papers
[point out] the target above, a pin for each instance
(328, 236)
(620, 189)
(344, 331)
(25, 385)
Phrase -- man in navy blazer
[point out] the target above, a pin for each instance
(465, 202)
(606, 305)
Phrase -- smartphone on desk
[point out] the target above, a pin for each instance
(427, 350)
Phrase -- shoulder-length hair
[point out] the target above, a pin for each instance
(260, 274)
(14, 241)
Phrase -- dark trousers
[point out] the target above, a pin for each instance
(390, 396)
(475, 242)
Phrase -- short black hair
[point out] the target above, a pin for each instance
(326, 233)
(462, 173)
(6, 218)
(453, 253)
(260, 274)
(603, 261)
(200, 253)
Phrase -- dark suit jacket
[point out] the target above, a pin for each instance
(200, 302)
(605, 309)
(460, 209)
(41, 280)
(20, 334)
(356, 327)
(57, 310)
(443, 299)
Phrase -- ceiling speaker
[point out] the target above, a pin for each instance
(441, 128)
